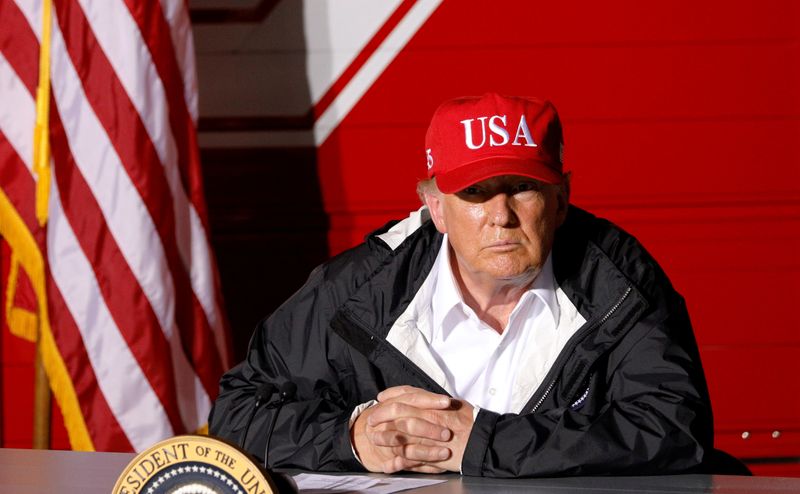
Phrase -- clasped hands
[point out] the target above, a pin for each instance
(412, 429)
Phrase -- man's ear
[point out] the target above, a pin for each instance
(436, 207)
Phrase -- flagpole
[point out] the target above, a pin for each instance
(41, 406)
(41, 165)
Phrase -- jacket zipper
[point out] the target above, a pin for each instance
(574, 342)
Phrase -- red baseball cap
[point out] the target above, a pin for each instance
(474, 138)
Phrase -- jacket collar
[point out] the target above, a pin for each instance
(609, 300)
(401, 230)
(596, 288)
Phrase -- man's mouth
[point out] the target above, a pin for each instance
(503, 245)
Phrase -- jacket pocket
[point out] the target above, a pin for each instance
(580, 401)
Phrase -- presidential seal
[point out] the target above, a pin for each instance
(193, 465)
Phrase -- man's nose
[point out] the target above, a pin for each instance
(500, 210)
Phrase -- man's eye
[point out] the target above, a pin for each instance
(471, 191)
(526, 187)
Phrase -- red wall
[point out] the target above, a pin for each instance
(17, 397)
(682, 124)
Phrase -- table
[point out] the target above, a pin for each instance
(684, 484)
(25, 471)
(36, 471)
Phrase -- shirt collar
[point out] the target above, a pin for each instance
(447, 294)
(544, 287)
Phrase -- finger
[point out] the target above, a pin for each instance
(419, 398)
(423, 429)
(388, 412)
(423, 453)
(407, 431)
(426, 468)
(388, 436)
(396, 391)
(394, 410)
(398, 464)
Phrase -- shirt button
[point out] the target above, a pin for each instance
(492, 391)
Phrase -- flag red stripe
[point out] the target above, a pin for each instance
(127, 303)
(150, 19)
(106, 434)
(104, 430)
(138, 155)
(17, 183)
(152, 23)
(19, 44)
(20, 47)
(155, 32)
(143, 354)
(121, 292)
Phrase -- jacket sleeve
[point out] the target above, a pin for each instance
(293, 344)
(646, 412)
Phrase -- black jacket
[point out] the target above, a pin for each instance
(627, 394)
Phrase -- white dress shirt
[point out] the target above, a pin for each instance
(466, 357)
(481, 365)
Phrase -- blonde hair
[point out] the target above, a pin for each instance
(427, 186)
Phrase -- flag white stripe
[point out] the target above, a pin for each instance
(118, 375)
(373, 68)
(127, 219)
(121, 41)
(32, 10)
(202, 279)
(125, 213)
(17, 126)
(124, 386)
(119, 36)
(177, 17)
(129, 222)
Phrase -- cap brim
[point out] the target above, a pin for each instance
(479, 170)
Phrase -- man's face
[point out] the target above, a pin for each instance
(501, 228)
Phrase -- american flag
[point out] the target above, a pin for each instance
(119, 285)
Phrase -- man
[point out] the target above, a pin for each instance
(497, 331)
